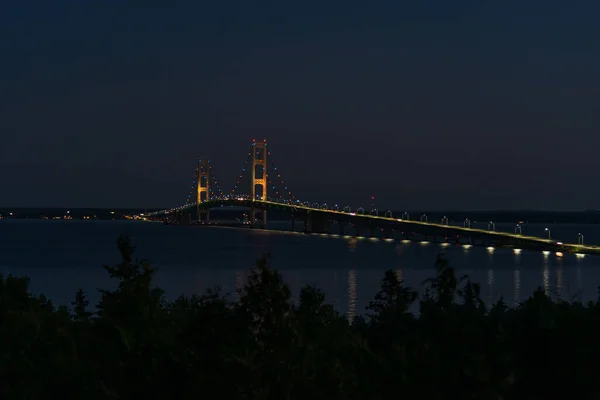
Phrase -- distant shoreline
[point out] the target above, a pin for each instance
(498, 216)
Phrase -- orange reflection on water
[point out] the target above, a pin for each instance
(352, 243)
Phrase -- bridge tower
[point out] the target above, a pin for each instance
(203, 183)
(259, 177)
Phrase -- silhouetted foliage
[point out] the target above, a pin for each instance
(135, 344)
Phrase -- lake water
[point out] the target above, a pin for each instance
(62, 256)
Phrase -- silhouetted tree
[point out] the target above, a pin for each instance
(80, 306)
(264, 346)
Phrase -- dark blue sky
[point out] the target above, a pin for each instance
(424, 104)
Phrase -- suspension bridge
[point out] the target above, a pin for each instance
(268, 192)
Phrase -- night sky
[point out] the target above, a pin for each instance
(422, 104)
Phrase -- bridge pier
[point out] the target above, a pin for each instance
(203, 216)
(254, 212)
(182, 217)
(372, 228)
(316, 223)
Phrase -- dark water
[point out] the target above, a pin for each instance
(61, 256)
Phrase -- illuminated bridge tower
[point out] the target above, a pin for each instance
(203, 182)
(259, 177)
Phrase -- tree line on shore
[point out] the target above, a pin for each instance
(136, 344)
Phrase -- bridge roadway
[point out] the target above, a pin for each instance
(317, 220)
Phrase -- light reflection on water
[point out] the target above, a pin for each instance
(490, 282)
(559, 280)
(546, 275)
(517, 286)
(351, 295)
(63, 256)
(352, 243)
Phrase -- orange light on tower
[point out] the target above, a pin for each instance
(259, 159)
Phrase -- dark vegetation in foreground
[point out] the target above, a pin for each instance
(263, 346)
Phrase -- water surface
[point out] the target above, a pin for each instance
(61, 256)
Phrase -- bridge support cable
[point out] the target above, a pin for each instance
(215, 188)
(274, 192)
(285, 190)
(236, 188)
(190, 196)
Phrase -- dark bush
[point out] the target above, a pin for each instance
(135, 344)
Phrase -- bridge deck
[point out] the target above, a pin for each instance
(301, 208)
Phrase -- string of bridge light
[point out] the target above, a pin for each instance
(270, 182)
(241, 176)
(215, 181)
(215, 184)
(265, 172)
(289, 192)
(240, 179)
(194, 180)
(273, 186)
